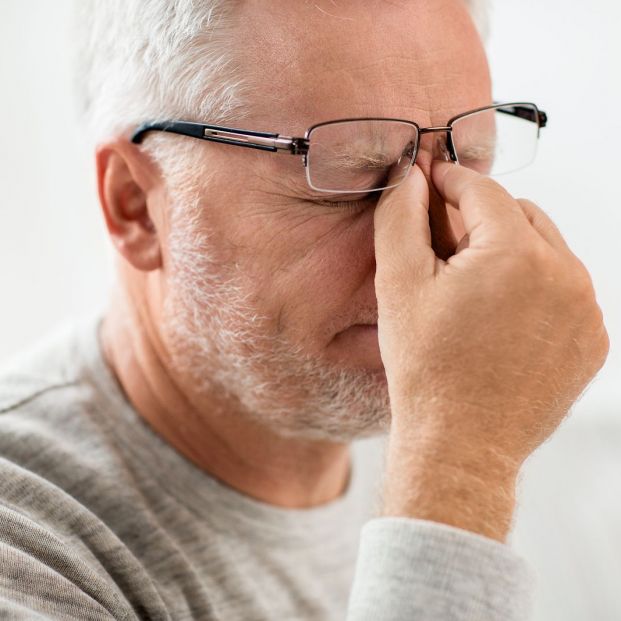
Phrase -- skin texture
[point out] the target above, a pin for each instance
(235, 331)
(502, 338)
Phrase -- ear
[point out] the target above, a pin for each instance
(129, 187)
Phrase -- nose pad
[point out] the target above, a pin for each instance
(406, 154)
(409, 149)
(432, 147)
(402, 167)
(440, 150)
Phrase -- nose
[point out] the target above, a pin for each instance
(432, 147)
(445, 222)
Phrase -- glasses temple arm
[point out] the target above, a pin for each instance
(527, 113)
(264, 141)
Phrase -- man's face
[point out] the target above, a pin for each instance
(268, 286)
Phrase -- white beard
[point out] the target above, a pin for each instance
(220, 340)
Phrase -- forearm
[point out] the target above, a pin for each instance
(435, 479)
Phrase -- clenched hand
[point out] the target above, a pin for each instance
(484, 353)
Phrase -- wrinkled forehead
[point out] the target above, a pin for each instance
(313, 61)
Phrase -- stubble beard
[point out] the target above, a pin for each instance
(226, 347)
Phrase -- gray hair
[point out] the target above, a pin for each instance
(146, 59)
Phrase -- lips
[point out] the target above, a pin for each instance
(364, 319)
(358, 346)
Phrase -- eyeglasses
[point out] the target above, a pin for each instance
(360, 155)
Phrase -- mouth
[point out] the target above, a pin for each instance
(361, 329)
(367, 331)
(359, 345)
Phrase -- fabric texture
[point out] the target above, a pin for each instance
(101, 519)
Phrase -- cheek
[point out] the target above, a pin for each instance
(305, 284)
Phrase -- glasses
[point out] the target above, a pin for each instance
(361, 155)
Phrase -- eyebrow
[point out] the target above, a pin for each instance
(352, 158)
(478, 151)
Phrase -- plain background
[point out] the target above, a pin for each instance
(565, 56)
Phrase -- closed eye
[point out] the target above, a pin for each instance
(361, 202)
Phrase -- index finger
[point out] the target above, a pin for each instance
(484, 204)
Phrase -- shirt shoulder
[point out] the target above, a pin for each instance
(67, 502)
(48, 404)
(35, 370)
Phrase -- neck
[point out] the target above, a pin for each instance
(211, 432)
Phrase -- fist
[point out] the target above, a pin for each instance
(488, 349)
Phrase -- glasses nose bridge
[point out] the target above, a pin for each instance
(447, 148)
(430, 130)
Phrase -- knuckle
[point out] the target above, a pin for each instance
(527, 205)
(531, 211)
(587, 317)
(582, 283)
(537, 259)
(604, 343)
(595, 344)
(602, 339)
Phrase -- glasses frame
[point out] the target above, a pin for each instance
(277, 143)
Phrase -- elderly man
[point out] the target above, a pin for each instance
(309, 253)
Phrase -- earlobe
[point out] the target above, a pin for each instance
(127, 186)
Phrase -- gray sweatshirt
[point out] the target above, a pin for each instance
(100, 518)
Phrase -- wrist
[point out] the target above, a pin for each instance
(437, 481)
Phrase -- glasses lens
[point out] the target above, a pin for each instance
(499, 140)
(360, 156)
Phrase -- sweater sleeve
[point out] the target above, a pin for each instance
(417, 570)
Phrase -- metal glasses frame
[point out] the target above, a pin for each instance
(276, 143)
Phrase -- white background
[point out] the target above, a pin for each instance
(53, 252)
(565, 56)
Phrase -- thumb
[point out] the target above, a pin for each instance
(402, 233)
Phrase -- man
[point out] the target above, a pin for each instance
(188, 457)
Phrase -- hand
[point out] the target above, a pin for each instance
(486, 352)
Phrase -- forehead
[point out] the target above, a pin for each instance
(317, 60)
